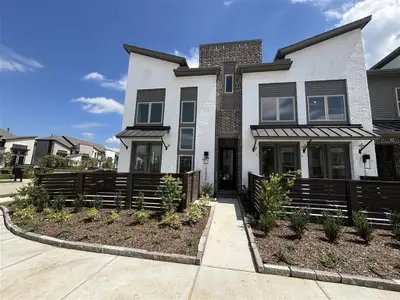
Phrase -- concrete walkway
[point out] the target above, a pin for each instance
(9, 186)
(30, 271)
(227, 244)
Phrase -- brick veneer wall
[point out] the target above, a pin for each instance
(229, 122)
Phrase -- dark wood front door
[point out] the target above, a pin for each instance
(385, 160)
(227, 169)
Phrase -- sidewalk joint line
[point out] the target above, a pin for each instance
(33, 256)
(230, 269)
(322, 289)
(194, 282)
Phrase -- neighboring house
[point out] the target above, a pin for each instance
(114, 155)
(307, 110)
(65, 146)
(21, 147)
(384, 90)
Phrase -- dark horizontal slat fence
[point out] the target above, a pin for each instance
(376, 198)
(109, 184)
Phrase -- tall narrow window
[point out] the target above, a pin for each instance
(277, 109)
(188, 112)
(326, 108)
(228, 84)
(398, 99)
(185, 163)
(187, 138)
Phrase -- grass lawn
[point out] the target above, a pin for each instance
(350, 255)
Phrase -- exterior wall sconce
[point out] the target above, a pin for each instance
(367, 161)
(206, 160)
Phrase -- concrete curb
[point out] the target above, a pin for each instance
(258, 263)
(107, 249)
(204, 237)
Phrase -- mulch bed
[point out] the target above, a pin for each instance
(125, 232)
(350, 255)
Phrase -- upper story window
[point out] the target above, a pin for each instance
(229, 84)
(277, 109)
(398, 99)
(149, 112)
(326, 108)
(188, 112)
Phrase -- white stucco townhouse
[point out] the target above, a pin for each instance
(309, 109)
(20, 147)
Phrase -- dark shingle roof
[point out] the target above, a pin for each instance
(71, 142)
(387, 59)
(7, 135)
(282, 52)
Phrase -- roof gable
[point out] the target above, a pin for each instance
(387, 59)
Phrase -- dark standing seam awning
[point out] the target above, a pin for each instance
(387, 127)
(144, 132)
(308, 132)
(19, 147)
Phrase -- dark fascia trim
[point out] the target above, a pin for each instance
(387, 59)
(279, 65)
(254, 127)
(359, 24)
(149, 128)
(255, 41)
(183, 71)
(19, 138)
(155, 54)
(376, 72)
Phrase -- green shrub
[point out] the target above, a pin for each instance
(283, 255)
(140, 201)
(363, 226)
(21, 201)
(118, 202)
(171, 220)
(332, 224)
(395, 222)
(170, 192)
(60, 216)
(204, 201)
(193, 214)
(141, 216)
(330, 259)
(36, 195)
(24, 215)
(97, 202)
(59, 203)
(298, 221)
(47, 211)
(207, 190)
(6, 176)
(92, 214)
(267, 222)
(79, 202)
(113, 217)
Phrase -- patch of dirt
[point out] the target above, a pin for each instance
(350, 255)
(125, 232)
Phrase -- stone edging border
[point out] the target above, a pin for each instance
(305, 273)
(113, 250)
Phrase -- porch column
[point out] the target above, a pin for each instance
(304, 160)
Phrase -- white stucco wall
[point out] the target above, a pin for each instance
(394, 64)
(149, 73)
(58, 146)
(30, 143)
(341, 57)
(86, 149)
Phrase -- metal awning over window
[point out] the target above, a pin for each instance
(307, 132)
(144, 133)
(387, 127)
(19, 147)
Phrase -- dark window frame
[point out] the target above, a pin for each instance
(233, 83)
(180, 138)
(150, 103)
(148, 144)
(326, 109)
(278, 160)
(277, 99)
(194, 111)
(397, 94)
(191, 163)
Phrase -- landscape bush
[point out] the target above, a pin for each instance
(24, 215)
(118, 201)
(79, 202)
(395, 222)
(363, 226)
(171, 193)
(193, 213)
(92, 214)
(207, 189)
(140, 201)
(299, 220)
(332, 224)
(171, 220)
(60, 216)
(141, 216)
(267, 222)
(113, 217)
(35, 195)
(97, 202)
(59, 202)
(283, 254)
(330, 259)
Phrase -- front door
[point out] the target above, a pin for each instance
(227, 166)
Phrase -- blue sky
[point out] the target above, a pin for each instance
(62, 65)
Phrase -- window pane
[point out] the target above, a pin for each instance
(185, 164)
(229, 84)
(188, 112)
(187, 138)
(156, 113)
(336, 108)
(317, 108)
(142, 112)
(268, 160)
(316, 162)
(140, 158)
(155, 158)
(288, 159)
(337, 160)
(286, 109)
(268, 109)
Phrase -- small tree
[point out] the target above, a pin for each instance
(5, 159)
(107, 163)
(171, 193)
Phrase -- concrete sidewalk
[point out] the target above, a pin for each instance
(227, 245)
(9, 186)
(30, 270)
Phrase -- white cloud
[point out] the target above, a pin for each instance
(100, 105)
(119, 84)
(13, 62)
(112, 140)
(192, 59)
(381, 36)
(113, 149)
(88, 125)
(318, 3)
(227, 3)
(88, 135)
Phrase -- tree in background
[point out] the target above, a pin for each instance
(108, 163)
(5, 159)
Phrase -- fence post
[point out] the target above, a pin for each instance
(129, 191)
(184, 203)
(352, 200)
(80, 183)
(250, 187)
(192, 190)
(39, 181)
